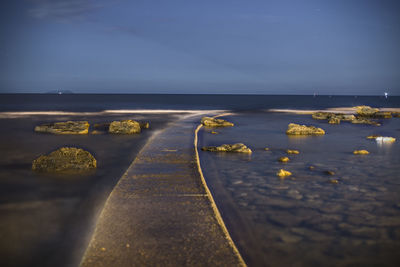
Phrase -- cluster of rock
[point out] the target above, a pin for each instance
(364, 115)
(82, 127)
(65, 159)
(297, 129)
(70, 159)
(213, 122)
(237, 148)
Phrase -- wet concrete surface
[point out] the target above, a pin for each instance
(159, 214)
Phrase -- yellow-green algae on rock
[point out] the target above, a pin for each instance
(212, 122)
(237, 148)
(65, 159)
(283, 159)
(283, 173)
(124, 127)
(68, 127)
(360, 152)
(297, 129)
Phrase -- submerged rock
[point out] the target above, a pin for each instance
(292, 151)
(283, 173)
(366, 111)
(329, 172)
(65, 159)
(360, 152)
(333, 181)
(68, 127)
(238, 148)
(124, 127)
(283, 159)
(211, 122)
(297, 129)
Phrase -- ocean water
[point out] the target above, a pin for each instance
(100, 102)
(303, 220)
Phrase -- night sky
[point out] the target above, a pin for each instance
(205, 46)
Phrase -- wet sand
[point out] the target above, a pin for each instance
(47, 220)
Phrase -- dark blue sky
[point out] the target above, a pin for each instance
(207, 46)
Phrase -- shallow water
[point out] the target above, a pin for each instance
(47, 219)
(304, 220)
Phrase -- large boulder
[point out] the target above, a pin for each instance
(211, 122)
(238, 148)
(297, 129)
(68, 127)
(366, 111)
(65, 159)
(124, 127)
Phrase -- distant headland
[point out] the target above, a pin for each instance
(59, 92)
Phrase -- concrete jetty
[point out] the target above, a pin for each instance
(161, 212)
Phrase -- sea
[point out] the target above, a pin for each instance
(337, 208)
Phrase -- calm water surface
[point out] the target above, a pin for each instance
(305, 220)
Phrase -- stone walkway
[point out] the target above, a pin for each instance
(161, 213)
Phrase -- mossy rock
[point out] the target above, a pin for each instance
(366, 111)
(237, 148)
(360, 152)
(65, 159)
(211, 122)
(124, 127)
(68, 127)
(297, 129)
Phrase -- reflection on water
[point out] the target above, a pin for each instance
(305, 220)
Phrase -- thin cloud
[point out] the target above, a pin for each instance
(62, 9)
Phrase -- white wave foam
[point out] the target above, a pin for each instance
(344, 110)
(17, 114)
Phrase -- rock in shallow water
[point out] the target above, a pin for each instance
(68, 127)
(292, 151)
(297, 129)
(366, 111)
(360, 152)
(65, 159)
(238, 148)
(283, 159)
(211, 122)
(283, 173)
(124, 127)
